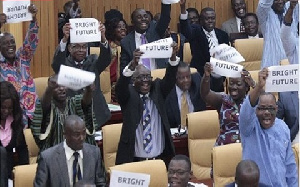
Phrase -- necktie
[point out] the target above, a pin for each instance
(242, 27)
(184, 109)
(146, 61)
(76, 169)
(79, 65)
(211, 43)
(147, 136)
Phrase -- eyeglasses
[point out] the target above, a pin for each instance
(177, 172)
(144, 77)
(79, 47)
(270, 109)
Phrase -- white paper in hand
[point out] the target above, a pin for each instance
(166, 2)
(17, 11)
(157, 49)
(226, 69)
(74, 78)
(226, 53)
(84, 30)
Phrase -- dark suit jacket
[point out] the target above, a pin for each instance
(200, 49)
(3, 168)
(288, 110)
(233, 185)
(155, 32)
(52, 167)
(132, 108)
(18, 143)
(93, 64)
(172, 107)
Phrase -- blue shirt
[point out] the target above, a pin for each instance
(269, 148)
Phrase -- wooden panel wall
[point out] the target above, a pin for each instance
(48, 10)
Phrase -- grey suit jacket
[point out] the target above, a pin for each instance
(288, 110)
(52, 167)
(230, 26)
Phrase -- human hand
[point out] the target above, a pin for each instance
(66, 31)
(33, 10)
(182, 6)
(207, 69)
(248, 79)
(174, 52)
(262, 76)
(102, 29)
(293, 3)
(136, 58)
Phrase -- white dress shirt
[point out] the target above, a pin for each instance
(238, 23)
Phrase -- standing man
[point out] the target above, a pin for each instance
(78, 58)
(235, 25)
(71, 160)
(184, 97)
(202, 39)
(145, 31)
(146, 131)
(266, 139)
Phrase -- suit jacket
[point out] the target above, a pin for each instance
(155, 32)
(132, 110)
(3, 168)
(288, 110)
(173, 110)
(230, 26)
(93, 64)
(200, 49)
(52, 167)
(233, 185)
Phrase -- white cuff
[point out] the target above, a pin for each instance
(174, 63)
(62, 46)
(184, 16)
(105, 44)
(128, 72)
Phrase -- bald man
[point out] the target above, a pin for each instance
(246, 175)
(72, 160)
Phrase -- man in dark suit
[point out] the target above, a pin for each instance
(72, 160)
(146, 131)
(144, 27)
(189, 84)
(247, 174)
(80, 60)
(202, 40)
(288, 110)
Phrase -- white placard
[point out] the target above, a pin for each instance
(129, 179)
(283, 78)
(226, 53)
(84, 30)
(167, 2)
(226, 69)
(17, 11)
(157, 49)
(74, 78)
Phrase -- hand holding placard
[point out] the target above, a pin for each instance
(226, 69)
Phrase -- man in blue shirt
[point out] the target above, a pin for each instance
(266, 139)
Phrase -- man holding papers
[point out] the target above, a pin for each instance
(146, 131)
(92, 63)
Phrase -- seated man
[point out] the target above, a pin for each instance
(72, 160)
(266, 139)
(246, 174)
(92, 63)
(146, 131)
(53, 109)
(184, 97)
(179, 172)
(235, 24)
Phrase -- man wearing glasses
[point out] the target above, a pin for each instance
(78, 58)
(146, 132)
(266, 139)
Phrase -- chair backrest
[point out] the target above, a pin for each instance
(41, 84)
(24, 175)
(33, 149)
(155, 168)
(203, 130)
(111, 137)
(251, 50)
(105, 85)
(295, 148)
(160, 73)
(187, 54)
(225, 160)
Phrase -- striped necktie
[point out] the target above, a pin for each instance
(147, 136)
(211, 43)
(76, 169)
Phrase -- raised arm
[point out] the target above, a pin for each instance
(2, 19)
(26, 52)
(210, 97)
(47, 97)
(255, 93)
(262, 11)
(87, 96)
(185, 26)
(164, 21)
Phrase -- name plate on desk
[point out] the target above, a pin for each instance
(129, 179)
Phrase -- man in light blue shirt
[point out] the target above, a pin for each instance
(266, 139)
